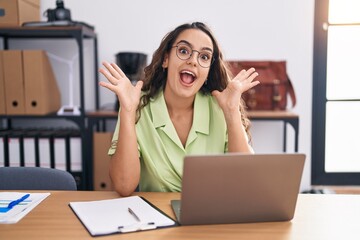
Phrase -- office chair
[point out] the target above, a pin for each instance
(35, 178)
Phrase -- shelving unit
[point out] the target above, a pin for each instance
(98, 122)
(78, 33)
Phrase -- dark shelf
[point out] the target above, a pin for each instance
(44, 32)
(78, 33)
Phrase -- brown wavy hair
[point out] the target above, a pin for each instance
(218, 77)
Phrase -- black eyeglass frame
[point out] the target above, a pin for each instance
(192, 51)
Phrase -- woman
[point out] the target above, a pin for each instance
(187, 104)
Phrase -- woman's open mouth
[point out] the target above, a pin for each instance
(187, 77)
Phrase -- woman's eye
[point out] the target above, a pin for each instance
(183, 51)
(205, 56)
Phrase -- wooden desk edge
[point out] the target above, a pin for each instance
(272, 115)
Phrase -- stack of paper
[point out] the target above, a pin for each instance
(120, 215)
(22, 204)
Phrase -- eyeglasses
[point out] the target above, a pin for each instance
(184, 52)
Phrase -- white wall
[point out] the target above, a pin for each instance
(246, 30)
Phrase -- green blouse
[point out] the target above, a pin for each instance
(160, 149)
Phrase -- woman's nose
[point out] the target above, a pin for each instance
(193, 58)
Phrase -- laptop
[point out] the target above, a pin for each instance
(239, 188)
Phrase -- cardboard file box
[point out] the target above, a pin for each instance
(29, 83)
(14, 82)
(2, 86)
(16, 12)
(42, 95)
(102, 142)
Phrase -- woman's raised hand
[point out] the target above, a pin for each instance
(229, 99)
(128, 95)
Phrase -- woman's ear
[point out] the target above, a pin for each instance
(165, 63)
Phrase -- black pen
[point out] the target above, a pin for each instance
(134, 214)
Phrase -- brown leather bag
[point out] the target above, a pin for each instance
(274, 87)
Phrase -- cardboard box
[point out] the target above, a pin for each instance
(42, 95)
(16, 12)
(101, 145)
(2, 87)
(30, 84)
(14, 82)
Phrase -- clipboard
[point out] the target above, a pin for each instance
(120, 215)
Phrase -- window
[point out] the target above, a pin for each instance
(336, 93)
